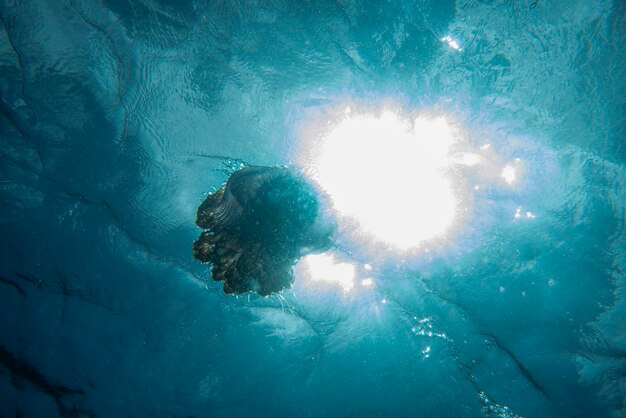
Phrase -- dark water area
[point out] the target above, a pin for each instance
(118, 117)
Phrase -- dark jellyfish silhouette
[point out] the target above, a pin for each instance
(257, 225)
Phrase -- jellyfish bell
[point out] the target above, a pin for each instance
(257, 225)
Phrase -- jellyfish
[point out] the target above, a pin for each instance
(256, 227)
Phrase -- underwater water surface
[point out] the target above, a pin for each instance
(473, 153)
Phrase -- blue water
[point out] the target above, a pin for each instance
(112, 115)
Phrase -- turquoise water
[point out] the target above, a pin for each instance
(118, 117)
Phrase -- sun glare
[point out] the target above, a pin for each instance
(390, 174)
